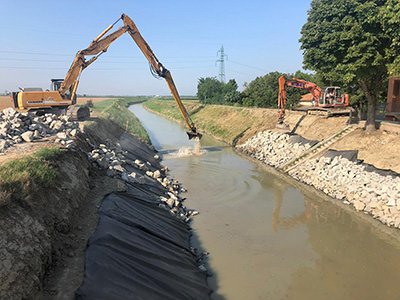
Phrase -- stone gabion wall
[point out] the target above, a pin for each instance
(272, 148)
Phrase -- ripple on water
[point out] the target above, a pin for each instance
(222, 183)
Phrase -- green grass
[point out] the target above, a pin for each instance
(48, 154)
(102, 105)
(20, 178)
(117, 111)
(187, 99)
(224, 122)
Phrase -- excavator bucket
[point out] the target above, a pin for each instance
(194, 135)
(281, 124)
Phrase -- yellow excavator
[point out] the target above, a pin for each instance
(63, 91)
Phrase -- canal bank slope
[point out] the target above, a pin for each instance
(352, 174)
(44, 232)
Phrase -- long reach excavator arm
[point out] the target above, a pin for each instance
(100, 45)
(66, 91)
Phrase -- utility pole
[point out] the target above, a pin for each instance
(221, 62)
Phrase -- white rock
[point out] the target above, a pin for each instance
(62, 135)
(391, 202)
(156, 174)
(73, 132)
(170, 202)
(27, 136)
(119, 168)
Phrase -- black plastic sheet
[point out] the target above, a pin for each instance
(348, 154)
(140, 251)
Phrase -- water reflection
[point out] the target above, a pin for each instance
(269, 238)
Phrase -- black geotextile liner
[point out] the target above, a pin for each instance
(141, 150)
(298, 139)
(140, 251)
(348, 154)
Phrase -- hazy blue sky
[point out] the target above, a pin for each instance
(39, 40)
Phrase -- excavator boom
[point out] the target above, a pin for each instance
(160, 71)
(65, 93)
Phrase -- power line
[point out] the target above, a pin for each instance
(96, 68)
(244, 65)
(33, 53)
(103, 61)
(114, 56)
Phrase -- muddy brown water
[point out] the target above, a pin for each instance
(270, 237)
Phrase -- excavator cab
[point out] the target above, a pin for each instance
(333, 97)
(55, 84)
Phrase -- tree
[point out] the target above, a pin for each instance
(262, 91)
(212, 91)
(391, 24)
(345, 42)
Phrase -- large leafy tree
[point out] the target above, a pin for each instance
(391, 24)
(345, 42)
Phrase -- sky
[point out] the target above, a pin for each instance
(39, 40)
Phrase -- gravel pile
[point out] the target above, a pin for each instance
(348, 181)
(18, 128)
(273, 148)
(112, 158)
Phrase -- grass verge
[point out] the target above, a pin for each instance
(22, 177)
(117, 111)
(227, 123)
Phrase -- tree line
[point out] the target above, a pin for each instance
(261, 92)
(354, 44)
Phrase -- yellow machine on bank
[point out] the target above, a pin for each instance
(63, 91)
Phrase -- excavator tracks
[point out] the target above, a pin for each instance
(78, 113)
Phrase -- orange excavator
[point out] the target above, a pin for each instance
(331, 97)
(63, 91)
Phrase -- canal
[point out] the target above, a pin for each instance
(269, 237)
